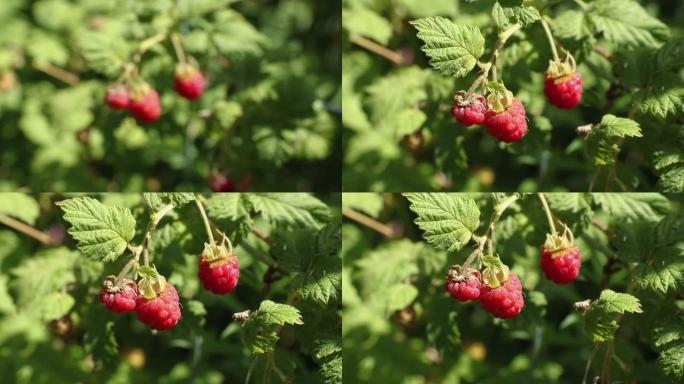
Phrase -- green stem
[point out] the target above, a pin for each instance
(547, 210)
(205, 219)
(154, 221)
(127, 267)
(175, 40)
(549, 37)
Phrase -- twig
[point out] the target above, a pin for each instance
(377, 49)
(57, 72)
(369, 222)
(154, 221)
(127, 267)
(503, 37)
(175, 40)
(602, 51)
(591, 358)
(26, 229)
(251, 369)
(258, 232)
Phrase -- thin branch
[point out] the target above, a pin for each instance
(369, 222)
(175, 40)
(57, 72)
(591, 358)
(549, 37)
(377, 49)
(258, 232)
(154, 221)
(26, 229)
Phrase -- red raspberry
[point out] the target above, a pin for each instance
(220, 276)
(117, 97)
(565, 91)
(189, 83)
(561, 267)
(146, 108)
(468, 288)
(218, 182)
(504, 301)
(119, 299)
(507, 126)
(469, 112)
(162, 312)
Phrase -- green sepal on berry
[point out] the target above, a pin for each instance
(499, 98)
(152, 283)
(495, 273)
(558, 69)
(214, 252)
(556, 243)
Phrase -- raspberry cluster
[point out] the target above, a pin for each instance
(161, 312)
(143, 101)
(504, 301)
(507, 124)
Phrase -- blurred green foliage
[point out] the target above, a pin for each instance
(53, 329)
(269, 116)
(399, 135)
(400, 326)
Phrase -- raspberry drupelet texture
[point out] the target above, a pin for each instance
(119, 299)
(469, 112)
(504, 301)
(189, 85)
(117, 97)
(507, 126)
(219, 276)
(464, 289)
(561, 267)
(146, 108)
(563, 92)
(162, 312)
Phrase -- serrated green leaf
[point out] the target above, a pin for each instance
(453, 48)
(662, 272)
(448, 221)
(20, 206)
(600, 318)
(259, 332)
(625, 22)
(158, 200)
(669, 342)
(290, 209)
(102, 232)
(649, 206)
(614, 302)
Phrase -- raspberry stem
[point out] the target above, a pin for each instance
(496, 215)
(205, 219)
(26, 229)
(178, 47)
(373, 224)
(127, 267)
(154, 221)
(547, 210)
(549, 37)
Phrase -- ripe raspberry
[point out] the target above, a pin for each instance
(146, 108)
(219, 276)
(565, 91)
(218, 182)
(507, 126)
(464, 288)
(119, 299)
(162, 312)
(188, 82)
(561, 266)
(504, 301)
(117, 97)
(468, 112)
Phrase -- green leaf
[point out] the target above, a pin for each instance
(602, 142)
(669, 342)
(662, 98)
(663, 272)
(369, 203)
(102, 232)
(328, 353)
(49, 271)
(367, 23)
(669, 164)
(232, 206)
(259, 333)
(21, 206)
(6, 301)
(625, 22)
(600, 318)
(290, 209)
(447, 220)
(649, 206)
(158, 200)
(453, 48)
(505, 16)
(54, 305)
